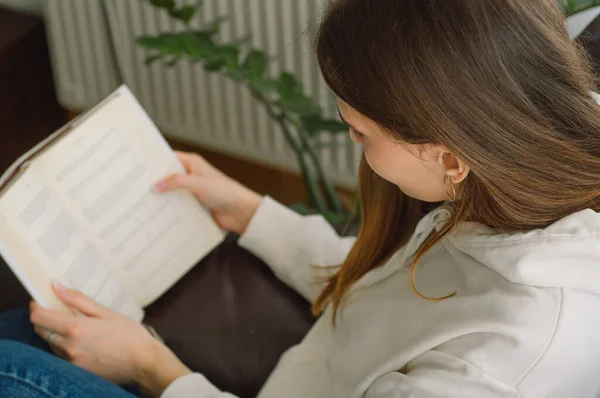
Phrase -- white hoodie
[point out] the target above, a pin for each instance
(525, 321)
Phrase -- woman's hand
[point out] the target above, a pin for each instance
(106, 343)
(232, 204)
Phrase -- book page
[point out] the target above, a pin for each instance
(42, 243)
(105, 169)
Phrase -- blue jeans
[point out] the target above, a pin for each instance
(28, 370)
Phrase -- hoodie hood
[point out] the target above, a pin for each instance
(566, 254)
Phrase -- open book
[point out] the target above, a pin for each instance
(79, 209)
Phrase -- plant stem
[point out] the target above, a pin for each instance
(330, 191)
(332, 196)
(308, 174)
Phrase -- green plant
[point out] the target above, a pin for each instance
(298, 116)
(574, 6)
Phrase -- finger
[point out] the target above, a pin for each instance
(193, 163)
(50, 336)
(80, 301)
(59, 351)
(51, 320)
(55, 340)
(43, 332)
(178, 181)
(186, 160)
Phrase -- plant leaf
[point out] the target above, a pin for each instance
(316, 124)
(229, 53)
(153, 58)
(288, 85)
(292, 97)
(571, 7)
(301, 105)
(153, 42)
(195, 45)
(166, 43)
(255, 65)
(235, 75)
(166, 4)
(214, 66)
(264, 84)
(206, 46)
(186, 13)
(192, 45)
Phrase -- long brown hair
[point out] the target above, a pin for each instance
(499, 82)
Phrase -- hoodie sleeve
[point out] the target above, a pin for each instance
(436, 374)
(193, 385)
(301, 251)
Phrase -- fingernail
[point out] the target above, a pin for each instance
(59, 287)
(159, 186)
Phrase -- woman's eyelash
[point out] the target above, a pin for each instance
(356, 134)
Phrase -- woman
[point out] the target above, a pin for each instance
(483, 105)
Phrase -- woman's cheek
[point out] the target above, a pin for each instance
(377, 164)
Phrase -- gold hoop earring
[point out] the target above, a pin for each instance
(450, 180)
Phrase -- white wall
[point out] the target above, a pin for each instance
(31, 6)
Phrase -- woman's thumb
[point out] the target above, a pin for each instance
(177, 181)
(79, 301)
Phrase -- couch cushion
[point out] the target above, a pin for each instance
(231, 319)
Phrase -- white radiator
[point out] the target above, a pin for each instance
(184, 101)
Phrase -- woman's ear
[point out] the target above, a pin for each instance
(453, 166)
